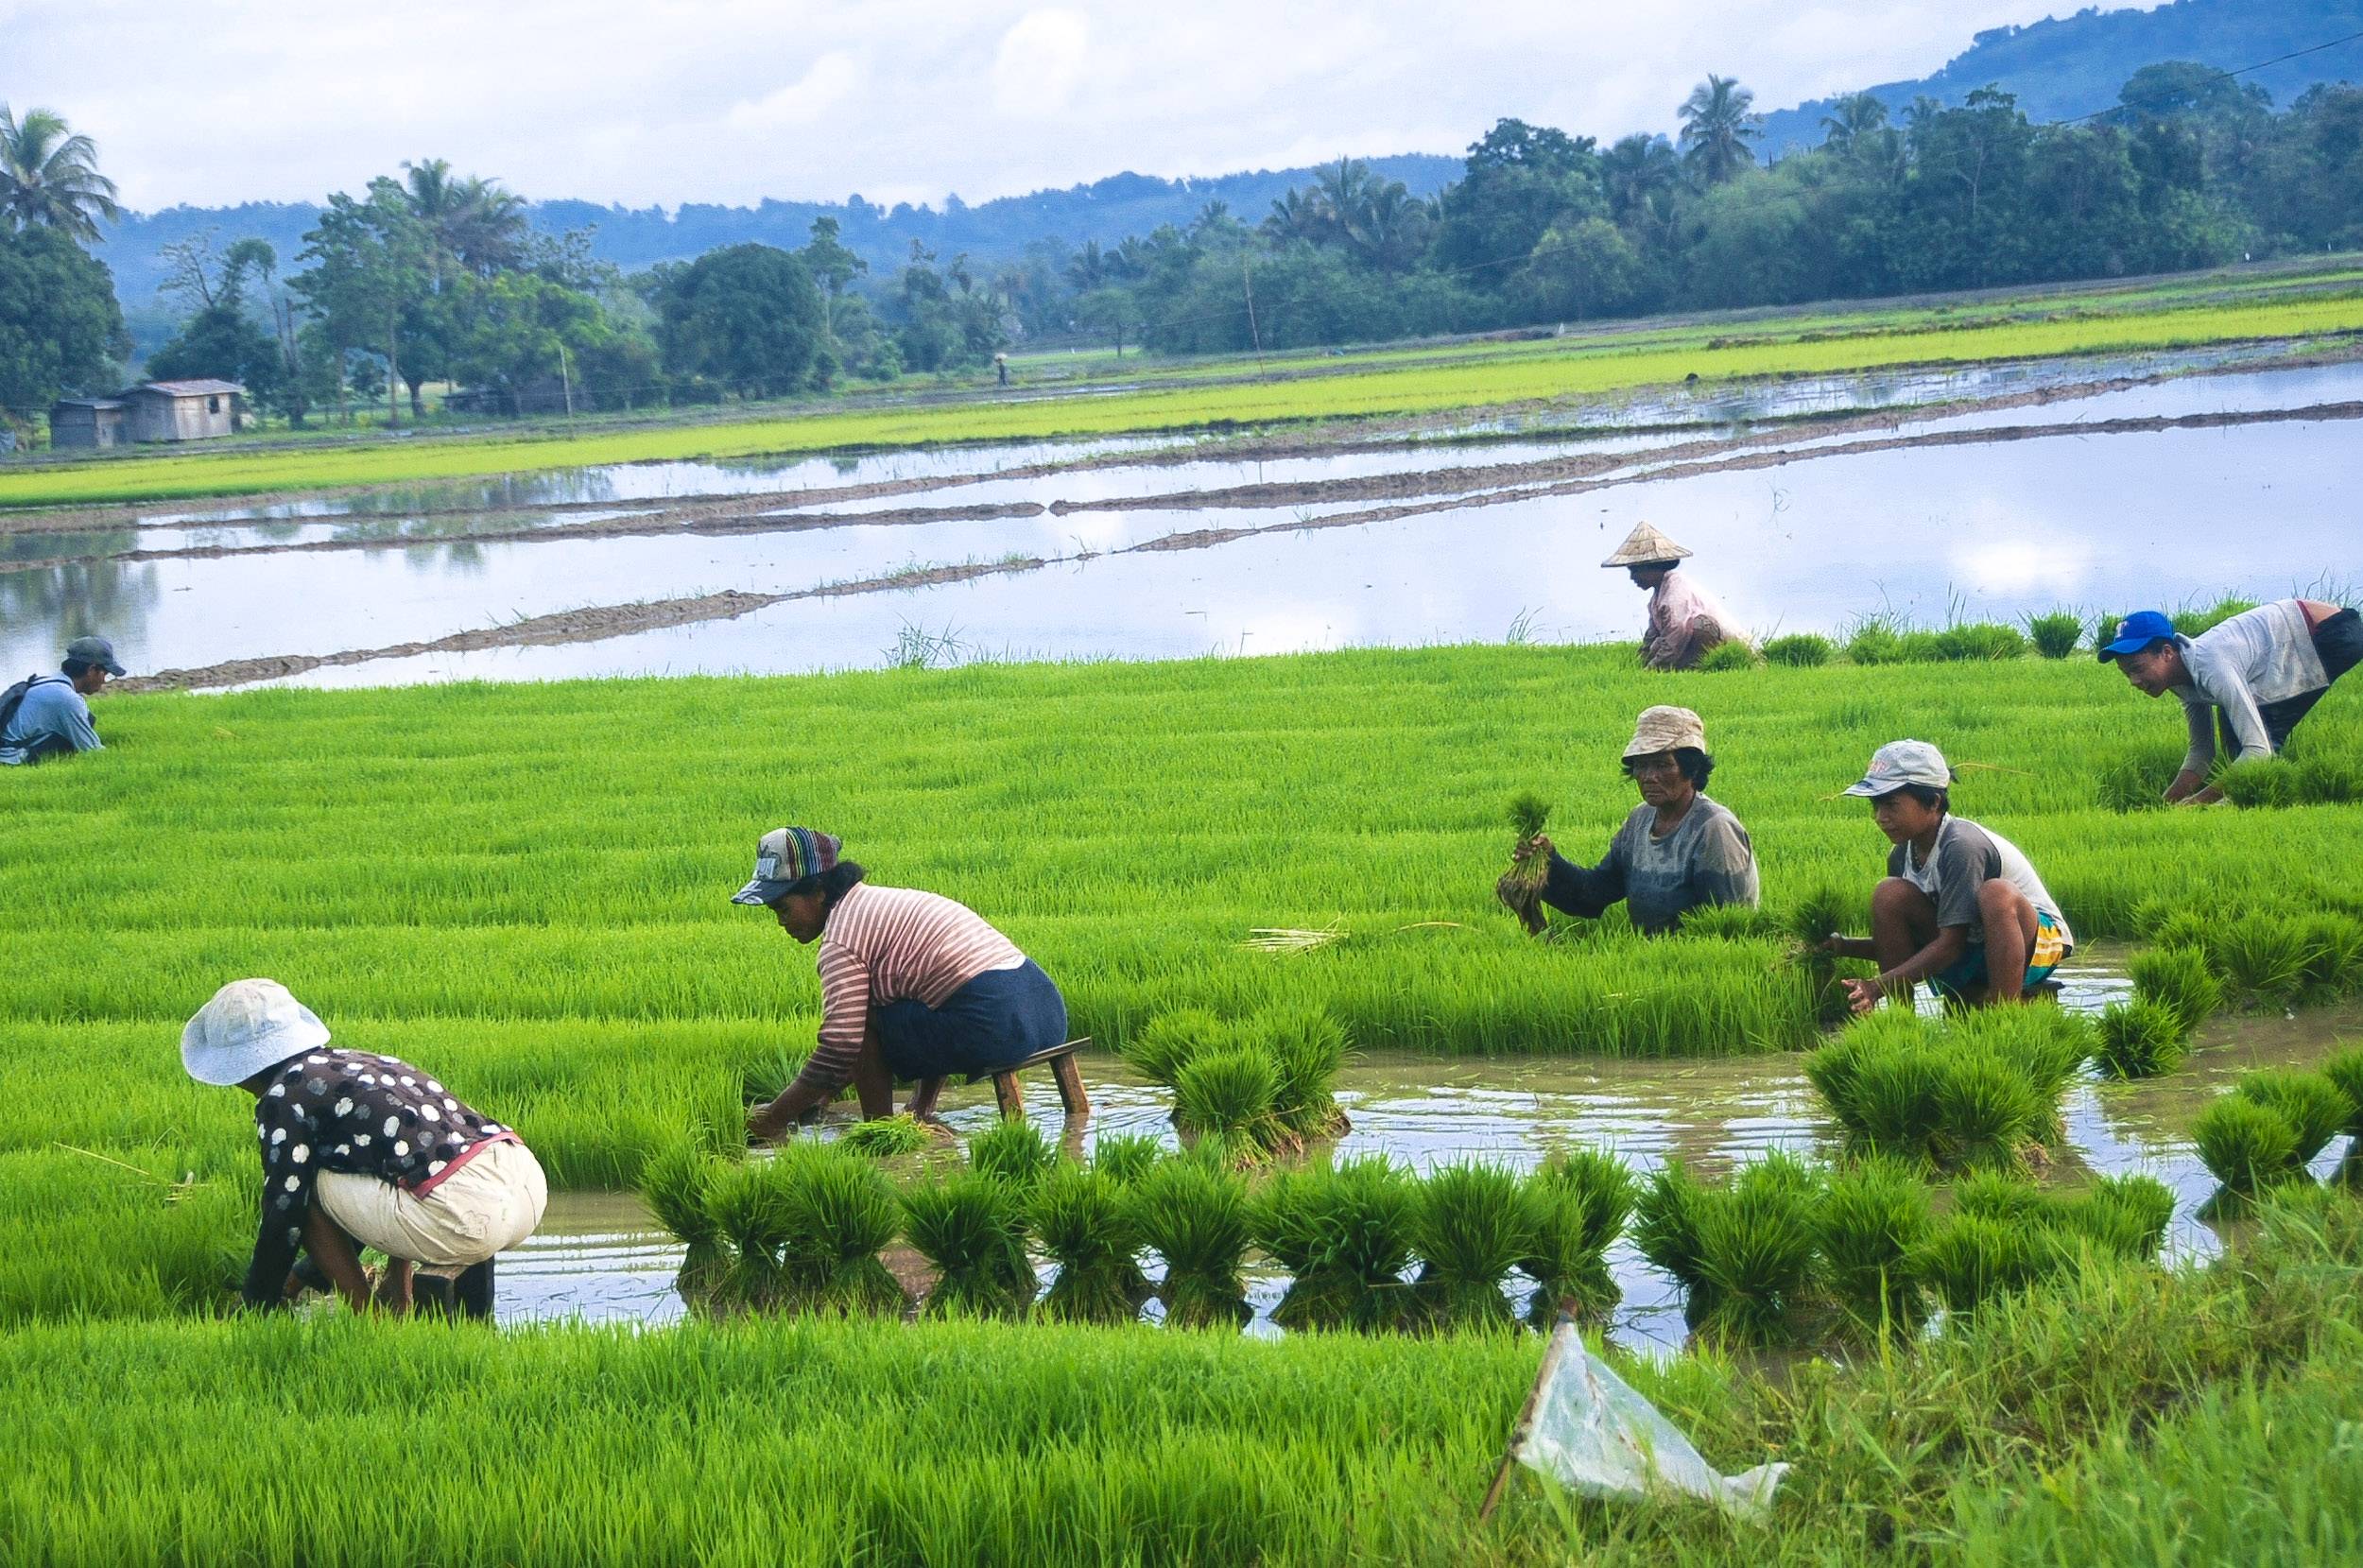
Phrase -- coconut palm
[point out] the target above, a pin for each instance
(1635, 173)
(49, 176)
(1851, 119)
(1718, 121)
(476, 222)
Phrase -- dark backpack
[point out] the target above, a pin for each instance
(13, 698)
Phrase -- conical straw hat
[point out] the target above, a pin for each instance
(1643, 546)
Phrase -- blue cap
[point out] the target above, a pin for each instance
(2136, 632)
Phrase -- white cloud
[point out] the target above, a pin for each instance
(830, 82)
(1041, 61)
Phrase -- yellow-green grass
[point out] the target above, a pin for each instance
(1423, 382)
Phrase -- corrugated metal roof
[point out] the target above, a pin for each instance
(188, 388)
(87, 403)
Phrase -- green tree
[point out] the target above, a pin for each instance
(61, 329)
(1520, 180)
(220, 338)
(372, 267)
(1718, 121)
(49, 176)
(747, 316)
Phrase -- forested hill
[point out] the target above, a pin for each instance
(2062, 67)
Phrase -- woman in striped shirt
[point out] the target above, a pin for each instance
(912, 984)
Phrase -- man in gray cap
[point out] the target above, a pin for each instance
(51, 717)
(1685, 620)
(1961, 908)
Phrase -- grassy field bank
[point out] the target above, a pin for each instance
(1293, 388)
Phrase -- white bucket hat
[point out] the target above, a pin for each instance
(1666, 728)
(249, 1026)
(1900, 763)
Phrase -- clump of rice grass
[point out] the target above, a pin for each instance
(2263, 957)
(2006, 1233)
(676, 1183)
(2345, 1069)
(2315, 1108)
(887, 1137)
(2175, 977)
(749, 1206)
(1123, 1158)
(1224, 1097)
(970, 1227)
(1825, 910)
(1756, 1241)
(2139, 1040)
(2135, 778)
(1876, 641)
(2056, 634)
(1973, 1258)
(2197, 623)
(1520, 889)
(1731, 923)
(841, 1213)
(1192, 1213)
(1980, 640)
(1800, 650)
(2334, 957)
(1666, 1220)
(1012, 1151)
(1581, 1199)
(1264, 1085)
(1873, 1219)
(1474, 1226)
(1987, 1114)
(1735, 653)
(1082, 1219)
(1310, 1048)
(2260, 783)
(1345, 1236)
(2125, 1216)
(2244, 1145)
(1979, 1092)
(1171, 1039)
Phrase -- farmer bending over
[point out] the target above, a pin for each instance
(912, 984)
(362, 1150)
(1684, 621)
(1677, 851)
(2254, 677)
(1962, 908)
(52, 719)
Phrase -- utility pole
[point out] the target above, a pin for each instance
(1248, 281)
(393, 372)
(566, 379)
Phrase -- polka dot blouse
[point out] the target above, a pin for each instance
(355, 1112)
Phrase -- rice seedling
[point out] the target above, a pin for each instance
(2175, 977)
(1987, 1114)
(2345, 1069)
(1581, 1198)
(2056, 634)
(1123, 1158)
(1012, 1151)
(1667, 1217)
(1756, 1250)
(887, 1137)
(2261, 782)
(2140, 1040)
(2315, 1108)
(1082, 1219)
(1225, 1098)
(1172, 1039)
(1474, 1226)
(2194, 622)
(1520, 889)
(2125, 1216)
(2263, 957)
(1873, 1221)
(1309, 1047)
(1981, 640)
(1800, 650)
(2135, 778)
(1972, 1258)
(2245, 1144)
(1736, 654)
(1193, 1214)
(971, 1228)
(750, 1208)
(840, 1211)
(1731, 923)
(676, 1183)
(2333, 959)
(1977, 1094)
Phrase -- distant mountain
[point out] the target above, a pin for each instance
(2063, 67)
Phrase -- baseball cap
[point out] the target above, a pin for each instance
(784, 857)
(2136, 632)
(95, 650)
(1900, 763)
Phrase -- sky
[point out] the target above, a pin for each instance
(666, 101)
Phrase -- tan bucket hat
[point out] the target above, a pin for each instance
(1646, 547)
(1664, 729)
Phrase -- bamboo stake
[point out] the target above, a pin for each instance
(1525, 1427)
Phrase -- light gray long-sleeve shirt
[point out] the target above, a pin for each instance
(2261, 655)
(51, 708)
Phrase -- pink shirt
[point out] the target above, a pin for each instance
(892, 945)
(1676, 607)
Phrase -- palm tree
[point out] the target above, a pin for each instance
(1851, 119)
(1718, 121)
(476, 222)
(51, 178)
(1635, 173)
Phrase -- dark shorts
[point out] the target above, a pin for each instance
(995, 1021)
(2340, 641)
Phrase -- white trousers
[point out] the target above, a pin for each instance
(488, 1205)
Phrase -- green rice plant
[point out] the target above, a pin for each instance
(1284, 1218)
(886, 1137)
(1192, 1213)
(2057, 634)
(1309, 1047)
(1800, 650)
(1756, 1243)
(1123, 1158)
(1921, 647)
(2345, 1069)
(1667, 1217)
(2244, 1145)
(2124, 1215)
(2315, 1108)
(1520, 889)
(1581, 1199)
(2048, 1045)
(1731, 923)
(2263, 957)
(676, 1183)
(2176, 978)
(2254, 783)
(1013, 1151)
(1733, 654)
(1987, 1112)
(1224, 1099)
(972, 1227)
(1971, 1258)
(1873, 1219)
(1999, 1195)
(1880, 1080)
(1981, 640)
(749, 1206)
(1876, 641)
(766, 1072)
(2334, 957)
(1474, 1226)
(2192, 622)
(1082, 1219)
(1172, 1039)
(2135, 778)
(2140, 1040)
(841, 1211)
(1345, 1236)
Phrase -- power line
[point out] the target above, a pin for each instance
(2221, 76)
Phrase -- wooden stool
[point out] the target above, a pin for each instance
(1058, 1059)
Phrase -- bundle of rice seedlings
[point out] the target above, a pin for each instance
(2316, 1109)
(1973, 1257)
(748, 1204)
(1735, 654)
(1981, 640)
(675, 1183)
(1083, 1220)
(1921, 647)
(2334, 957)
(1987, 1113)
(1581, 1199)
(764, 1075)
(1873, 1219)
(2244, 1145)
(841, 1213)
(2136, 779)
(1666, 1221)
(1999, 1195)
(1731, 923)
(1012, 1151)
(1474, 1226)
(1193, 1214)
(971, 1228)
(2263, 956)
(1225, 1097)
(2254, 783)
(2125, 1216)
(1756, 1245)
(1308, 1047)
(1800, 650)
(1160, 1050)
(2176, 977)
(1875, 643)
(2057, 634)
(1289, 1218)
(887, 1137)
(1123, 1158)
(2045, 1046)
(1368, 1228)
(1521, 887)
(2139, 1040)
(1896, 1108)
(2345, 1069)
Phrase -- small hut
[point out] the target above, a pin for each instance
(86, 421)
(181, 410)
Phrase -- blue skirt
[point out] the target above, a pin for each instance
(995, 1021)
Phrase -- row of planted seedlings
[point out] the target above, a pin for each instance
(2270, 1130)
(2201, 961)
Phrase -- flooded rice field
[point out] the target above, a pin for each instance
(600, 1257)
(1988, 492)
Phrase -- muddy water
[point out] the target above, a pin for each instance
(600, 1257)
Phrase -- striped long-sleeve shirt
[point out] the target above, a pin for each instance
(890, 944)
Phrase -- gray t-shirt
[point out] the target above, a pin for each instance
(1967, 857)
(1706, 859)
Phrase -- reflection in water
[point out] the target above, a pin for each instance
(44, 608)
